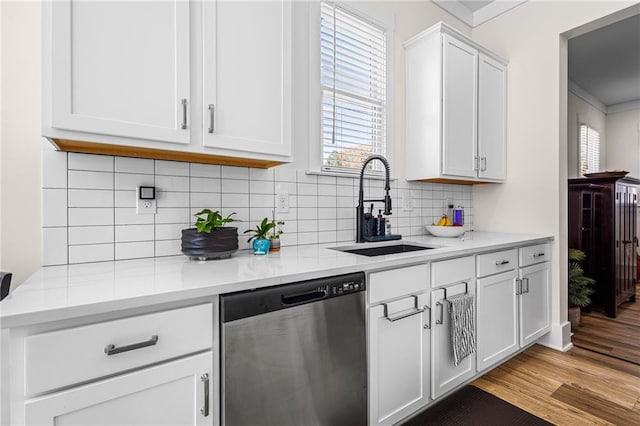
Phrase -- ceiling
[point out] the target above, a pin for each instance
(606, 62)
(475, 12)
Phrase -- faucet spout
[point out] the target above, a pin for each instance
(360, 231)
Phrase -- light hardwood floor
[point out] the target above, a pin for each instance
(578, 387)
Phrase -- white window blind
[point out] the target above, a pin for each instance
(589, 150)
(353, 83)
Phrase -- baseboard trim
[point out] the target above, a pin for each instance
(559, 338)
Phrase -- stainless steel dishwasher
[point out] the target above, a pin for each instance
(295, 354)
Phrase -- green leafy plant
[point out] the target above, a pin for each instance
(580, 286)
(277, 229)
(207, 220)
(261, 230)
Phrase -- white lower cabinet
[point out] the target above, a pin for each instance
(445, 375)
(173, 393)
(497, 317)
(535, 302)
(399, 349)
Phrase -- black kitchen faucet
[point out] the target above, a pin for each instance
(360, 222)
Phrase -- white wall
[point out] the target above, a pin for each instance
(623, 147)
(20, 218)
(534, 197)
(580, 111)
(20, 156)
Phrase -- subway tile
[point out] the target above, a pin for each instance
(345, 191)
(172, 183)
(258, 213)
(307, 225)
(327, 180)
(307, 189)
(135, 250)
(128, 216)
(168, 247)
(283, 174)
(91, 198)
(303, 177)
(235, 186)
(205, 185)
(231, 172)
(134, 165)
(290, 226)
(54, 207)
(345, 235)
(206, 200)
(324, 201)
(172, 215)
(235, 200)
(90, 235)
(288, 187)
(262, 200)
(264, 175)
(287, 240)
(130, 181)
(345, 213)
(54, 169)
(172, 199)
(81, 216)
(306, 201)
(171, 168)
(348, 202)
(327, 190)
(91, 253)
(327, 213)
(129, 233)
(90, 180)
(345, 181)
(307, 213)
(125, 198)
(292, 214)
(170, 231)
(261, 187)
(307, 238)
(91, 162)
(345, 224)
(205, 170)
(54, 246)
(240, 215)
(327, 236)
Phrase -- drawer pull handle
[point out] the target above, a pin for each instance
(184, 114)
(540, 254)
(501, 262)
(205, 380)
(414, 311)
(112, 350)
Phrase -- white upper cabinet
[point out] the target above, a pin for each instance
(185, 80)
(121, 68)
(455, 109)
(247, 76)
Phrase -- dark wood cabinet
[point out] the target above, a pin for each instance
(603, 223)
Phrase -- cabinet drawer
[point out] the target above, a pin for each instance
(65, 357)
(535, 254)
(394, 283)
(493, 263)
(454, 270)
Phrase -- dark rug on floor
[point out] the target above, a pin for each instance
(473, 406)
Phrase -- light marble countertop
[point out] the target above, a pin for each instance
(62, 292)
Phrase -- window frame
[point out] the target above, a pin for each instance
(588, 128)
(386, 21)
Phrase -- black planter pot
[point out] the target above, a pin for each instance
(220, 243)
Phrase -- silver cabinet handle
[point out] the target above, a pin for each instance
(184, 114)
(476, 163)
(212, 109)
(518, 286)
(501, 262)
(539, 254)
(428, 326)
(112, 349)
(441, 320)
(205, 380)
(484, 164)
(414, 311)
(527, 280)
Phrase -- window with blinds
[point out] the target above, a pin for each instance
(589, 150)
(353, 83)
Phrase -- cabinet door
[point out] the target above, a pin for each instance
(444, 375)
(247, 76)
(120, 68)
(492, 83)
(459, 80)
(497, 318)
(170, 394)
(535, 302)
(398, 361)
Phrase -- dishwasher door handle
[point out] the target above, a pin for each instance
(295, 299)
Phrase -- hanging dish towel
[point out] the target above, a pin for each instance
(463, 328)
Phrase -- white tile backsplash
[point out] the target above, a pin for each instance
(89, 204)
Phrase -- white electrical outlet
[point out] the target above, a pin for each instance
(282, 202)
(145, 206)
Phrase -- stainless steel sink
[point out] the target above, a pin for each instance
(382, 250)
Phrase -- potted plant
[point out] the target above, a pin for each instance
(580, 287)
(210, 239)
(260, 237)
(275, 237)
